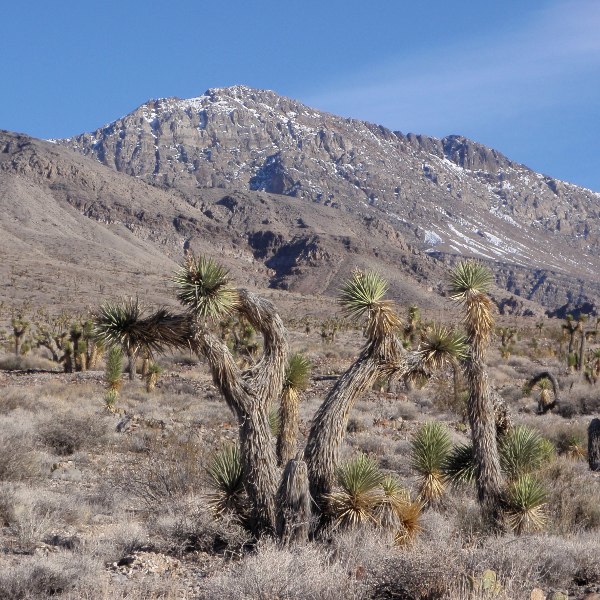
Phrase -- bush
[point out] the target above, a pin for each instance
(65, 434)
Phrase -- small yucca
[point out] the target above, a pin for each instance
(225, 472)
(297, 373)
(274, 421)
(525, 505)
(114, 369)
(359, 481)
(397, 512)
(429, 449)
(522, 450)
(459, 466)
(203, 287)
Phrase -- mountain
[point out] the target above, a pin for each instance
(294, 198)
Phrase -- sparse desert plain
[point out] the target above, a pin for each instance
(145, 486)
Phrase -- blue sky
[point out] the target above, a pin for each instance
(521, 77)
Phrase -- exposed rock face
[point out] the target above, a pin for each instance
(449, 197)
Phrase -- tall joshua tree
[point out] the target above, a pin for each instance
(469, 284)
(363, 297)
(205, 291)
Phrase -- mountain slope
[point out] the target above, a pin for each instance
(449, 197)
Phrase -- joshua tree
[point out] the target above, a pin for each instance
(126, 324)
(469, 283)
(296, 380)
(548, 403)
(570, 328)
(362, 297)
(412, 326)
(204, 290)
(20, 325)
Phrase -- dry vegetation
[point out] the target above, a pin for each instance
(98, 503)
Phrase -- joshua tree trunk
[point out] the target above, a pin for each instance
(594, 444)
(289, 417)
(248, 394)
(581, 350)
(131, 360)
(483, 431)
(293, 500)
(381, 357)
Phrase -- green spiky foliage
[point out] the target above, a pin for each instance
(225, 472)
(354, 503)
(203, 287)
(114, 369)
(396, 511)
(362, 295)
(522, 451)
(469, 285)
(459, 466)
(442, 346)
(274, 421)
(126, 323)
(525, 505)
(297, 373)
(429, 450)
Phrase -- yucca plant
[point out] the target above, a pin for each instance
(297, 375)
(522, 451)
(354, 503)
(152, 374)
(396, 511)
(429, 450)
(525, 505)
(459, 466)
(203, 287)
(225, 473)
(114, 369)
(274, 421)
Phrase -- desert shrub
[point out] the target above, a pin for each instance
(188, 527)
(65, 434)
(39, 577)
(573, 497)
(24, 363)
(171, 468)
(19, 460)
(291, 574)
(18, 397)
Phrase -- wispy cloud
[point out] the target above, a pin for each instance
(554, 59)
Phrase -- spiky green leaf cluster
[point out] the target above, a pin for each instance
(114, 369)
(125, 323)
(469, 284)
(525, 505)
(521, 451)
(361, 293)
(359, 480)
(297, 373)
(459, 466)
(203, 287)
(225, 473)
(274, 421)
(441, 346)
(429, 449)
